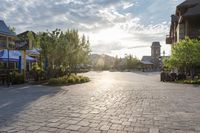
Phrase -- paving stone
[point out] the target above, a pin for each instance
(83, 123)
(141, 130)
(73, 127)
(105, 127)
(53, 124)
(33, 128)
(112, 131)
(154, 130)
(126, 123)
(93, 130)
(6, 129)
(93, 125)
(112, 102)
(25, 132)
(51, 129)
(122, 132)
(129, 129)
(116, 127)
(84, 129)
(72, 122)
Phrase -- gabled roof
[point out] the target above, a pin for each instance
(4, 30)
(147, 58)
(25, 34)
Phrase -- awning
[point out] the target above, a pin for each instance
(13, 56)
(33, 52)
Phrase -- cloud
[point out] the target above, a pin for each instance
(111, 24)
(102, 48)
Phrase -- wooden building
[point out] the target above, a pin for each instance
(153, 62)
(185, 22)
(7, 38)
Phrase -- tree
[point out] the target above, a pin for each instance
(12, 29)
(131, 62)
(185, 55)
(116, 64)
(64, 52)
(31, 39)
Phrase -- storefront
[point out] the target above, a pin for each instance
(13, 57)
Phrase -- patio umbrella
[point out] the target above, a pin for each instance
(33, 52)
(13, 56)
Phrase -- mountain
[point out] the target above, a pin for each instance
(102, 60)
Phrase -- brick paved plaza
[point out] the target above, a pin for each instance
(112, 102)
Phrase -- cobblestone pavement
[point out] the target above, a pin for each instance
(112, 102)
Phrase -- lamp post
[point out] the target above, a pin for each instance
(8, 62)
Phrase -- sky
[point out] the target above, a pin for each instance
(114, 27)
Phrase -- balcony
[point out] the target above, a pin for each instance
(169, 39)
(175, 18)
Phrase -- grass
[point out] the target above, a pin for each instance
(73, 79)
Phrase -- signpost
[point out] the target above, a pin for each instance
(24, 63)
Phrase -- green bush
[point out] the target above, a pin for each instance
(57, 81)
(73, 79)
(17, 78)
(192, 81)
(84, 79)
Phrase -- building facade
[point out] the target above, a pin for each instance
(155, 54)
(7, 38)
(185, 22)
(152, 62)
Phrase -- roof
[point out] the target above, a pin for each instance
(5, 30)
(188, 3)
(193, 11)
(147, 58)
(25, 34)
(146, 62)
(156, 44)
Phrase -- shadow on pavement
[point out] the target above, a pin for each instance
(15, 99)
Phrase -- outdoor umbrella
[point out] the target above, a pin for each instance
(33, 52)
(13, 56)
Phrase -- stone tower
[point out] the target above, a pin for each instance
(155, 54)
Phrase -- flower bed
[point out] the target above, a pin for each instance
(73, 79)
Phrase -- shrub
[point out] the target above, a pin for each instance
(73, 79)
(37, 73)
(85, 79)
(17, 78)
(181, 76)
(192, 81)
